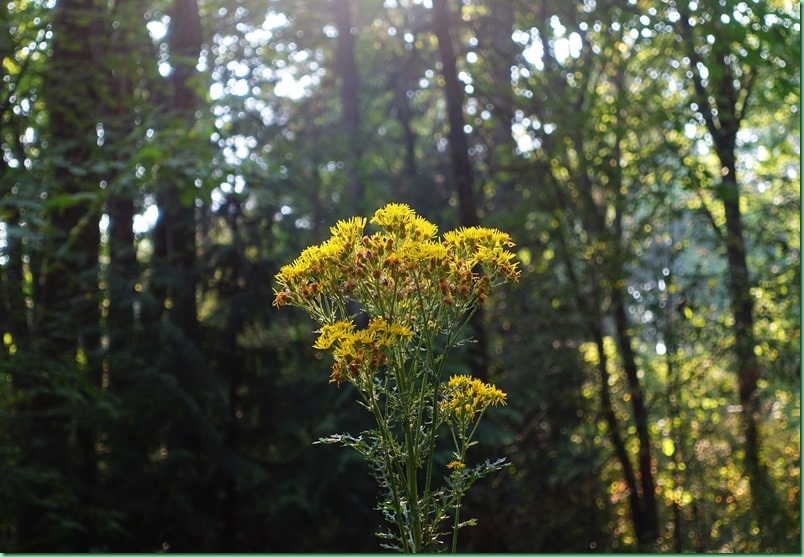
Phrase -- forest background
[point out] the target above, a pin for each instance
(162, 159)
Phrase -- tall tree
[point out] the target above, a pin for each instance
(69, 281)
(129, 71)
(175, 232)
(20, 75)
(499, 52)
(350, 101)
(67, 321)
(461, 165)
(593, 197)
(725, 68)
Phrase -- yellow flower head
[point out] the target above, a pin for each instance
(388, 333)
(400, 219)
(333, 333)
(484, 246)
(349, 230)
(297, 280)
(427, 250)
(467, 396)
(305, 267)
(289, 274)
(474, 236)
(456, 465)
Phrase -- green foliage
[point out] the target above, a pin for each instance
(151, 400)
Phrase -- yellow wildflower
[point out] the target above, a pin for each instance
(387, 333)
(351, 343)
(400, 219)
(351, 229)
(484, 246)
(392, 214)
(423, 228)
(404, 274)
(467, 396)
(418, 251)
(358, 355)
(289, 273)
(476, 236)
(332, 333)
(456, 465)
(282, 298)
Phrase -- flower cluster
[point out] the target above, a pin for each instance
(466, 397)
(418, 291)
(359, 353)
(321, 271)
(399, 274)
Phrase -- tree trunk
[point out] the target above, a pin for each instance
(13, 317)
(462, 173)
(68, 317)
(350, 103)
(643, 509)
(649, 526)
(230, 366)
(501, 52)
(175, 231)
(69, 294)
(742, 306)
(610, 272)
(635, 501)
(120, 108)
(13, 313)
(461, 164)
(722, 100)
(399, 81)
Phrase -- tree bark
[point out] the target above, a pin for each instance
(398, 83)
(641, 494)
(648, 531)
(635, 501)
(13, 313)
(67, 323)
(501, 53)
(69, 288)
(13, 317)
(461, 164)
(350, 103)
(175, 231)
(120, 108)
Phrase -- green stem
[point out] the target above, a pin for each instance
(455, 525)
(385, 434)
(462, 447)
(413, 490)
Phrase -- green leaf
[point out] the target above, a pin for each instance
(63, 201)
